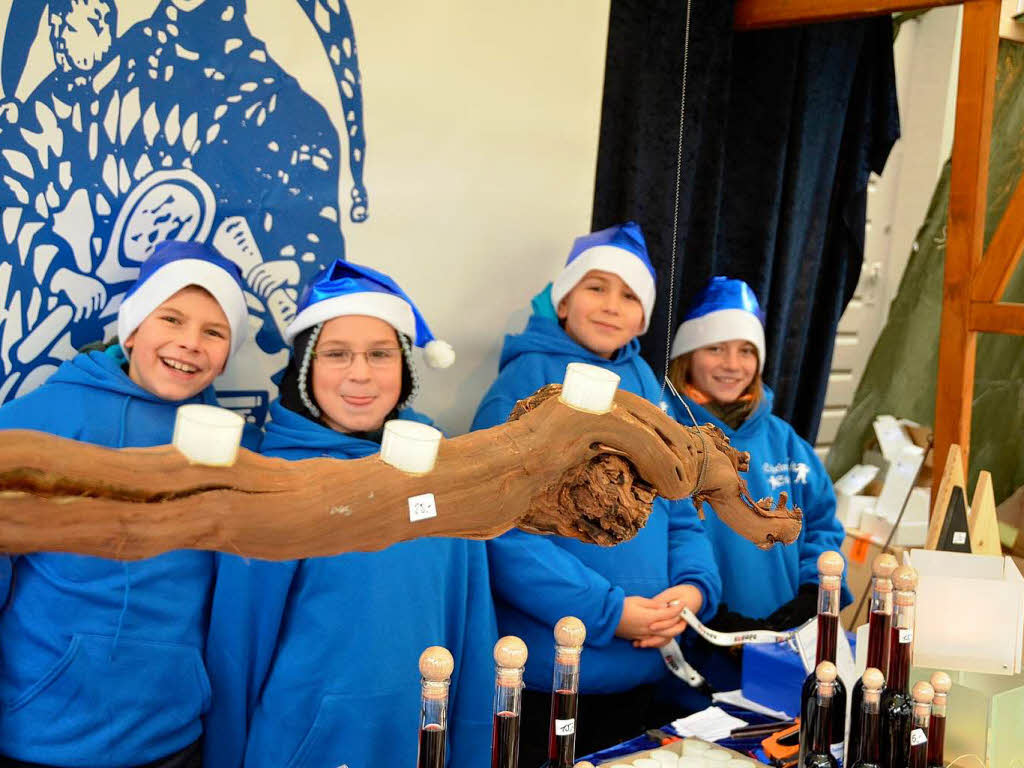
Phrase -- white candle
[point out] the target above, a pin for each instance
(208, 435)
(589, 387)
(410, 446)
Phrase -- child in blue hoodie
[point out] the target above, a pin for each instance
(101, 661)
(628, 596)
(314, 663)
(717, 359)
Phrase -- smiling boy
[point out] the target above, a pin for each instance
(629, 596)
(102, 660)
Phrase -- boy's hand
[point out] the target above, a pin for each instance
(639, 614)
(676, 598)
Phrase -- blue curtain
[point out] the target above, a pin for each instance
(782, 129)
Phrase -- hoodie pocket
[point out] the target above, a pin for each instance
(131, 693)
(354, 731)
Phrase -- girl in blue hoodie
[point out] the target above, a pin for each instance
(628, 596)
(314, 663)
(717, 359)
(101, 661)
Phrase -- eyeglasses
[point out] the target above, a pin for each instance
(340, 359)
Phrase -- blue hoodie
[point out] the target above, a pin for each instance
(779, 461)
(101, 661)
(539, 579)
(319, 657)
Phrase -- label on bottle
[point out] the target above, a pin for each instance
(906, 635)
(837, 752)
(565, 727)
(918, 736)
(422, 507)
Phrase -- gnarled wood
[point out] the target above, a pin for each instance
(551, 469)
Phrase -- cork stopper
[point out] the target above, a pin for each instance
(923, 693)
(510, 652)
(941, 682)
(904, 578)
(830, 563)
(584, 764)
(904, 581)
(570, 632)
(436, 664)
(873, 679)
(882, 569)
(825, 672)
(883, 565)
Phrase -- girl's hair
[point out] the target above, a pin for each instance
(679, 375)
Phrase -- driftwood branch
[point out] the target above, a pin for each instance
(550, 469)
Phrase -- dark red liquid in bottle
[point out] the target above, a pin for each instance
(879, 626)
(828, 633)
(919, 755)
(869, 733)
(878, 636)
(819, 728)
(505, 741)
(562, 733)
(432, 748)
(897, 705)
(936, 738)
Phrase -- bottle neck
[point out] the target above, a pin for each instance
(869, 728)
(508, 687)
(821, 738)
(879, 620)
(939, 705)
(828, 618)
(433, 705)
(901, 644)
(566, 676)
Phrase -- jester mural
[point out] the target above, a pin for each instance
(180, 126)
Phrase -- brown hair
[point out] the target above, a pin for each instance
(679, 375)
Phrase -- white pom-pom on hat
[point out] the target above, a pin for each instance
(438, 354)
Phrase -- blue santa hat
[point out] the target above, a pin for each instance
(620, 250)
(175, 265)
(351, 289)
(726, 309)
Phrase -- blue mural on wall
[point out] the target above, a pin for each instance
(183, 126)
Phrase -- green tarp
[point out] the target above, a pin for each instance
(900, 378)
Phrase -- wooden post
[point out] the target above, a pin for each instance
(965, 234)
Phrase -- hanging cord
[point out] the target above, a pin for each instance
(703, 443)
(675, 212)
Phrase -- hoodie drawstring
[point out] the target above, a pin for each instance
(124, 566)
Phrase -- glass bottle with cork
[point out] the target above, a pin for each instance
(897, 705)
(830, 581)
(565, 685)
(866, 721)
(879, 622)
(941, 683)
(509, 660)
(436, 665)
(922, 695)
(816, 726)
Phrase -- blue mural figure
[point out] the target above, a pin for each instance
(182, 127)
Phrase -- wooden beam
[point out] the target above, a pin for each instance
(1003, 317)
(1003, 253)
(762, 14)
(964, 245)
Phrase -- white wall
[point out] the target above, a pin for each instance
(482, 123)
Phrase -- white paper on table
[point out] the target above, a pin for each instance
(710, 724)
(737, 699)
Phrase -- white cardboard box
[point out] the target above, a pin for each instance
(970, 612)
